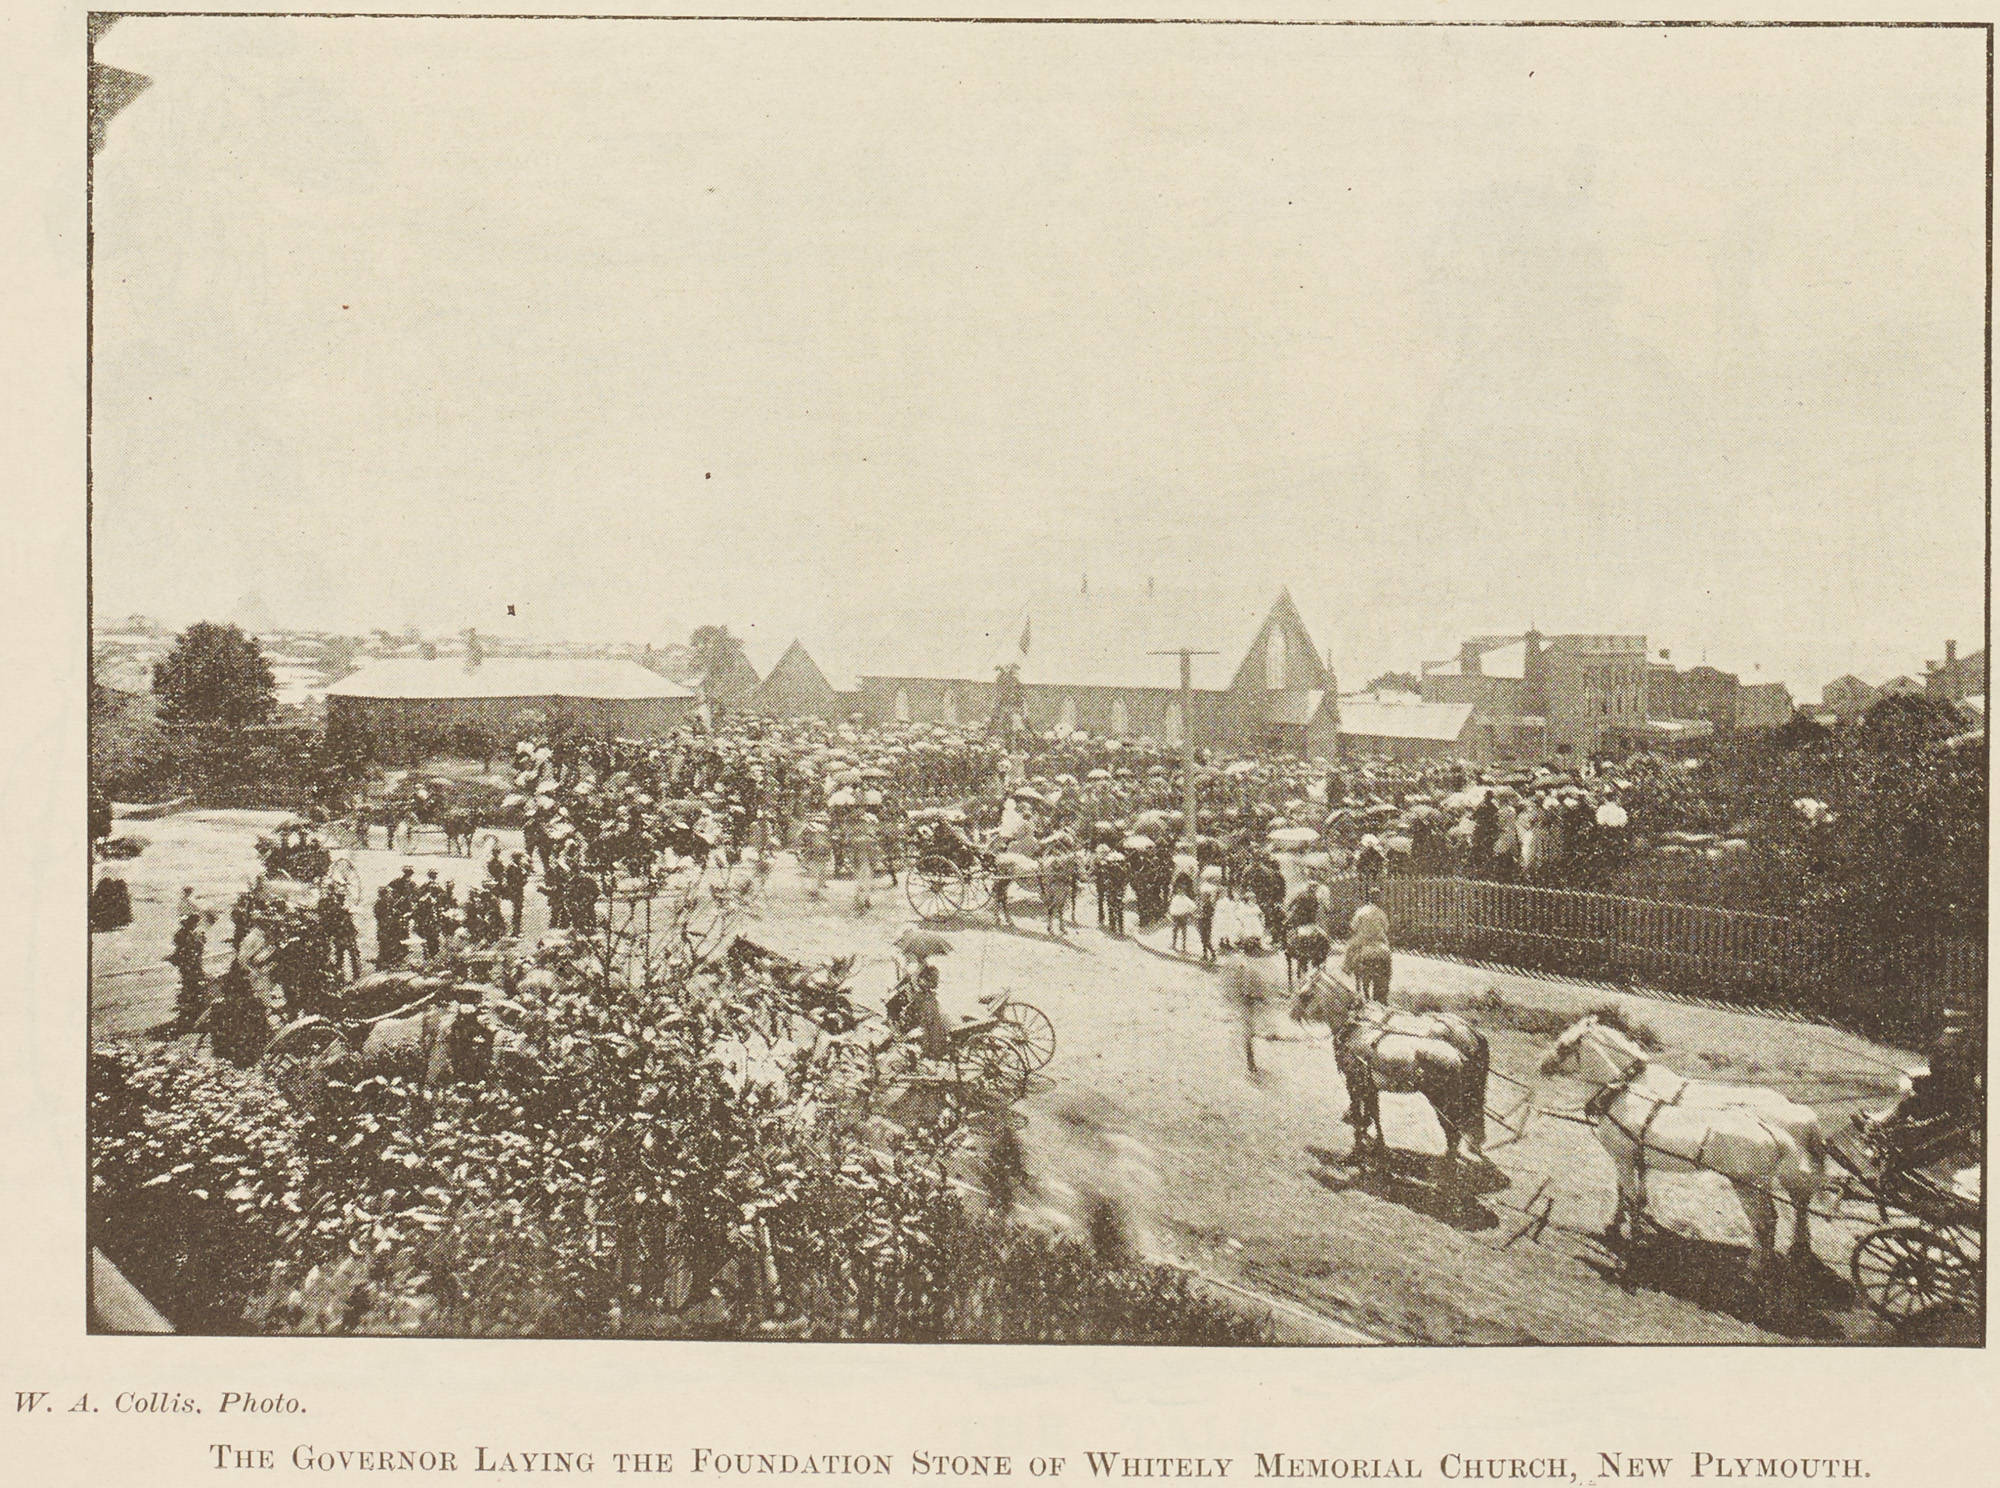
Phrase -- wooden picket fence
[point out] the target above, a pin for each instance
(1799, 965)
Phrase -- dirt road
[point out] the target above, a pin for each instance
(1255, 1182)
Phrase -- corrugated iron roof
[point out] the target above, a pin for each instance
(508, 677)
(1443, 722)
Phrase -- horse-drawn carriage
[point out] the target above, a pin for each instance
(953, 873)
(432, 807)
(984, 1063)
(428, 1027)
(1923, 1265)
(295, 851)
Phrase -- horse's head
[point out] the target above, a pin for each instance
(1565, 1053)
(1329, 1000)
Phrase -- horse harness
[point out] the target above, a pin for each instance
(1598, 1107)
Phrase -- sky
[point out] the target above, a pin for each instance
(638, 326)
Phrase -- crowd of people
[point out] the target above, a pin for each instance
(1073, 814)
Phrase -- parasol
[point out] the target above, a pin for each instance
(1295, 837)
(1240, 767)
(1136, 843)
(1611, 814)
(921, 945)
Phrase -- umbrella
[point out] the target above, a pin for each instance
(1136, 843)
(1014, 862)
(1150, 821)
(1611, 814)
(1098, 774)
(1295, 837)
(922, 944)
(1240, 767)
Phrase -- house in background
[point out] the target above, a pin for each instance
(1957, 677)
(1764, 705)
(1846, 698)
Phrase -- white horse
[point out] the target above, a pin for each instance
(1650, 1119)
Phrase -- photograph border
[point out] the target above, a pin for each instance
(1278, 1304)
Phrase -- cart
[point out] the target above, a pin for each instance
(1923, 1265)
(302, 1045)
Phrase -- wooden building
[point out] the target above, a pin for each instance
(400, 707)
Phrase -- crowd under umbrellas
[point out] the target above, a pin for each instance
(850, 799)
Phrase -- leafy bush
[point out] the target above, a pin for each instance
(612, 1178)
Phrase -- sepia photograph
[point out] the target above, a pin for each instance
(929, 681)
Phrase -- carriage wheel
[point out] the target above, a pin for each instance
(296, 1052)
(992, 1063)
(978, 888)
(1036, 1034)
(1909, 1270)
(935, 889)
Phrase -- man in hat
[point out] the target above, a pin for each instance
(189, 946)
(514, 887)
(1111, 891)
(434, 904)
(1369, 864)
(1367, 958)
(390, 927)
(863, 840)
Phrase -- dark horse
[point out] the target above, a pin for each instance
(1439, 1056)
(1306, 950)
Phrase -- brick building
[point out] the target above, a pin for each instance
(1088, 663)
(1701, 692)
(1534, 694)
(1957, 677)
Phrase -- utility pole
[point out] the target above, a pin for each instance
(1187, 655)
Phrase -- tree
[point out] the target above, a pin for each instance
(1395, 682)
(215, 675)
(718, 656)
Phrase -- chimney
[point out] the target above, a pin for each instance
(1950, 652)
(1468, 659)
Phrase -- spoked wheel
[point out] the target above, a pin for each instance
(1909, 1271)
(992, 1063)
(935, 889)
(296, 1052)
(1036, 1034)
